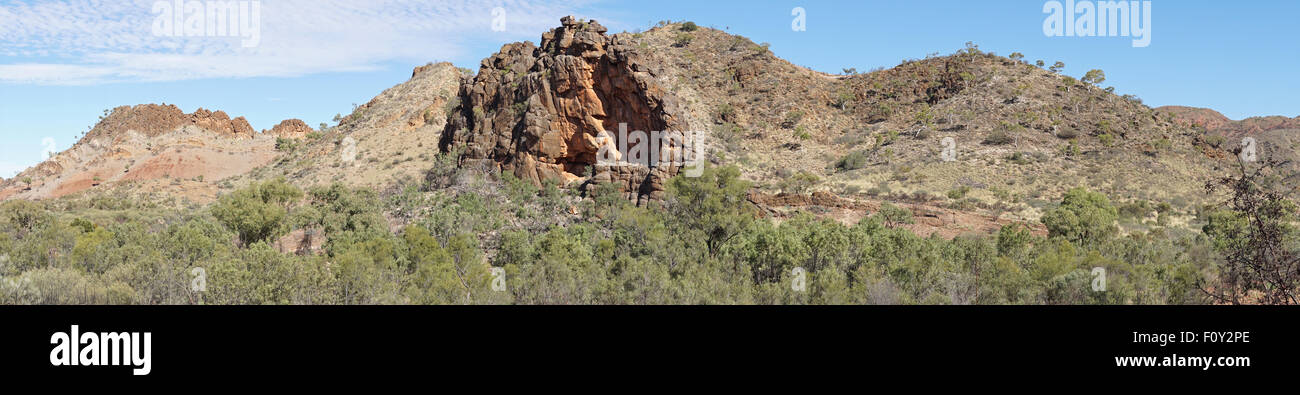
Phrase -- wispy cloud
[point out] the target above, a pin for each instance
(84, 42)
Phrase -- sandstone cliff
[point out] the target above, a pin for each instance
(539, 111)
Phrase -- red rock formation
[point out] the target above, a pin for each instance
(151, 142)
(154, 119)
(537, 111)
(1204, 117)
(1215, 122)
(291, 129)
(221, 123)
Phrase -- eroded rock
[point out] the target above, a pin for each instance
(539, 111)
(291, 129)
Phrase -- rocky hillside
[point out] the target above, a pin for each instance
(1275, 137)
(836, 145)
(155, 149)
(392, 137)
(1022, 135)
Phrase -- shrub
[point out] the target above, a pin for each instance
(958, 193)
(1084, 218)
(999, 137)
(800, 182)
(1070, 149)
(257, 212)
(1106, 139)
(1019, 158)
(683, 39)
(726, 112)
(1215, 141)
(1162, 144)
(286, 145)
(893, 216)
(853, 161)
(843, 99)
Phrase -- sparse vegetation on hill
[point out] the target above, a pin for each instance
(958, 179)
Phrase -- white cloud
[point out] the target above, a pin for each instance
(81, 42)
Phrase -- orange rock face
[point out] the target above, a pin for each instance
(539, 111)
(292, 129)
(154, 119)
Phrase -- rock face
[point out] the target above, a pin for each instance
(539, 111)
(153, 119)
(291, 129)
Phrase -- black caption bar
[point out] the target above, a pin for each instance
(357, 343)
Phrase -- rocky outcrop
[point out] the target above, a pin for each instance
(1192, 116)
(539, 111)
(1256, 125)
(291, 129)
(151, 120)
(221, 123)
(1215, 122)
(155, 148)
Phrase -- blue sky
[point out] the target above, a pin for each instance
(63, 62)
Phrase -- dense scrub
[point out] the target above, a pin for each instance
(439, 242)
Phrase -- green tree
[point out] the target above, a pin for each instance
(23, 216)
(1094, 77)
(1084, 218)
(257, 212)
(893, 216)
(713, 207)
(1057, 67)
